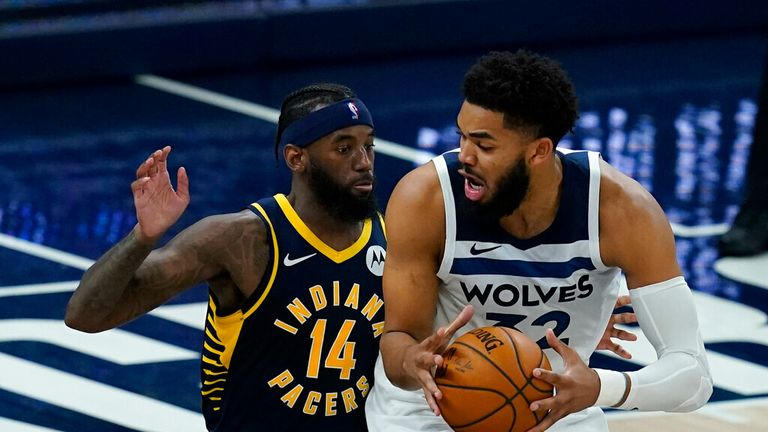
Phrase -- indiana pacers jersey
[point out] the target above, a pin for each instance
(299, 354)
(554, 280)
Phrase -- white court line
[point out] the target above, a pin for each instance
(699, 230)
(45, 252)
(11, 425)
(34, 289)
(265, 113)
(95, 399)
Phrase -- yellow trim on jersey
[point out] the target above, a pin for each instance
(275, 262)
(303, 230)
(228, 327)
(383, 227)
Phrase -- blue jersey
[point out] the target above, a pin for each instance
(299, 354)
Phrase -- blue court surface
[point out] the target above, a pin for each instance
(677, 116)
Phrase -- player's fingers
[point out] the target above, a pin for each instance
(433, 342)
(546, 403)
(547, 375)
(546, 422)
(154, 169)
(623, 335)
(460, 321)
(182, 187)
(137, 186)
(162, 159)
(619, 351)
(143, 169)
(623, 301)
(556, 344)
(431, 391)
(431, 402)
(625, 318)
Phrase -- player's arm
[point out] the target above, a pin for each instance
(132, 278)
(635, 235)
(640, 241)
(415, 236)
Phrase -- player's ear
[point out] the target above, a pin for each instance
(295, 157)
(541, 150)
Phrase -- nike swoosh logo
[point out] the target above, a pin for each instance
(474, 250)
(291, 262)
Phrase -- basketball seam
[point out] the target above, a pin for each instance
(507, 400)
(528, 380)
(491, 413)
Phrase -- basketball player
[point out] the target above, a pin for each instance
(536, 239)
(295, 309)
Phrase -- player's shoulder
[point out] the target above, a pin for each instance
(233, 227)
(625, 205)
(419, 183)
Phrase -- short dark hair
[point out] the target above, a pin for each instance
(532, 92)
(307, 99)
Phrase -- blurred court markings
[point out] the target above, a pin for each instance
(44, 252)
(35, 289)
(56, 387)
(7, 424)
(699, 230)
(262, 112)
(749, 270)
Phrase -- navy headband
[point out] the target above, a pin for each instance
(317, 124)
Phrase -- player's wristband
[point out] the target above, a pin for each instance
(614, 388)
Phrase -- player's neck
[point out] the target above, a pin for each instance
(538, 210)
(334, 232)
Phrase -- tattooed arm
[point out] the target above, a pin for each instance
(132, 279)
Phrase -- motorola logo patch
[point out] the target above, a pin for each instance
(374, 259)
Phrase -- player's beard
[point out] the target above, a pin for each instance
(511, 192)
(340, 201)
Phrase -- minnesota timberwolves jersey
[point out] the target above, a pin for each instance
(554, 280)
(299, 354)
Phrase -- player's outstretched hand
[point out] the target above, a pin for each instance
(158, 205)
(422, 359)
(576, 388)
(606, 342)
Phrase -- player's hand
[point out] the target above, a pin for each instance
(576, 388)
(421, 360)
(158, 205)
(606, 342)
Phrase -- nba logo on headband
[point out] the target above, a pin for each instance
(355, 111)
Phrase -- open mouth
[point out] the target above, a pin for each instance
(474, 188)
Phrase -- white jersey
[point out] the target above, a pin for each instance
(554, 280)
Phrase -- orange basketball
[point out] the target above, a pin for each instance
(487, 381)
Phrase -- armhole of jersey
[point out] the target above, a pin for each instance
(383, 227)
(449, 247)
(594, 210)
(262, 294)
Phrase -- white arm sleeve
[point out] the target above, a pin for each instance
(680, 379)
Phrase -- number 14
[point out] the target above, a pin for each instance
(342, 353)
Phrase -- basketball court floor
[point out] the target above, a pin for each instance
(679, 124)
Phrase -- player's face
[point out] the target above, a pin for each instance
(496, 177)
(341, 172)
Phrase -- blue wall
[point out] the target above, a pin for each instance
(265, 39)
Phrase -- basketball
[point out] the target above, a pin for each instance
(487, 381)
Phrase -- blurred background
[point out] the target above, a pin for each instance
(668, 93)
